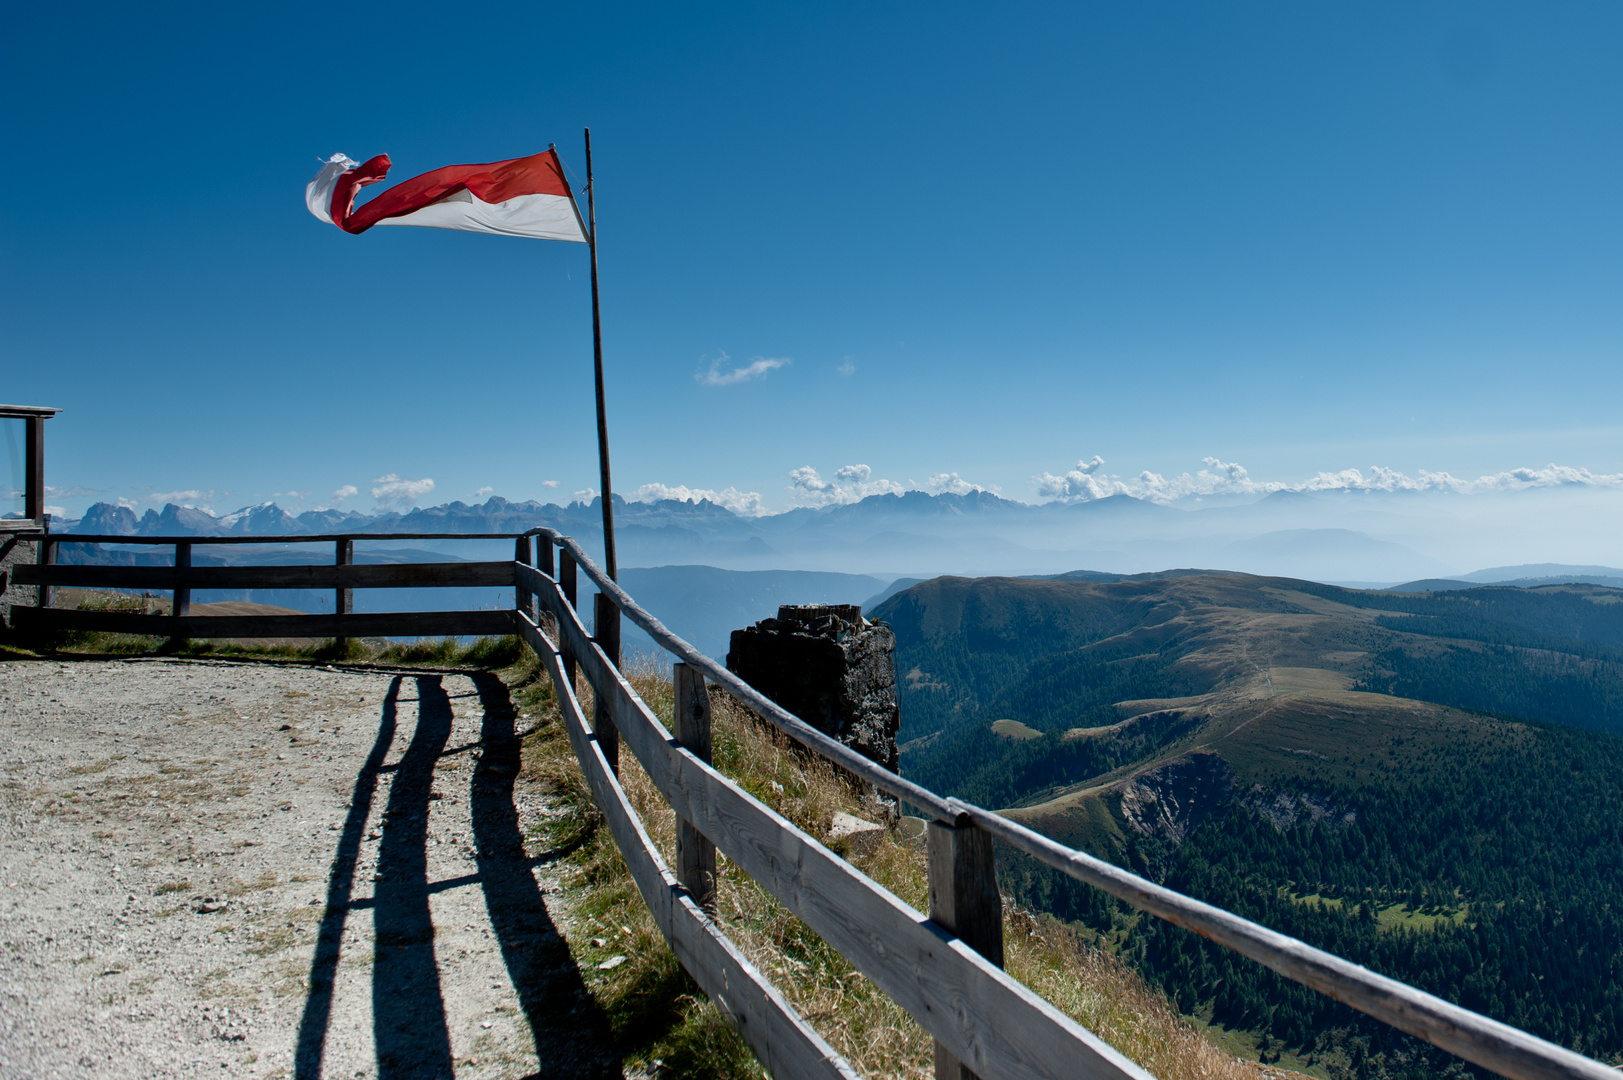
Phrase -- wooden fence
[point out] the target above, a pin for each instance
(943, 967)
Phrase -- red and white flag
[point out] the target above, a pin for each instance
(522, 197)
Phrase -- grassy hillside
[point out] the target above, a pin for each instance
(1061, 655)
(663, 1026)
(1244, 740)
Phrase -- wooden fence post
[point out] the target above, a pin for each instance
(543, 551)
(964, 899)
(606, 632)
(566, 583)
(343, 599)
(46, 557)
(695, 854)
(181, 604)
(523, 553)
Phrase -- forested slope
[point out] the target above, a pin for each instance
(1404, 779)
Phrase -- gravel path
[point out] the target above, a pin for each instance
(212, 868)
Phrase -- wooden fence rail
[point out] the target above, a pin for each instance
(944, 968)
(343, 576)
(305, 576)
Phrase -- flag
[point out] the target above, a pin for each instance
(523, 197)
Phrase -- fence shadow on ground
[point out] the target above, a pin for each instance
(409, 1019)
(572, 1036)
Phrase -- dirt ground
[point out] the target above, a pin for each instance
(214, 868)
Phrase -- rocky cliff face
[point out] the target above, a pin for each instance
(1284, 809)
(1173, 799)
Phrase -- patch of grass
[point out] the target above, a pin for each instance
(1402, 916)
(483, 652)
(95, 766)
(274, 940)
(1392, 917)
(121, 602)
(172, 887)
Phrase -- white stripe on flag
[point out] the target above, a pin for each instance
(541, 217)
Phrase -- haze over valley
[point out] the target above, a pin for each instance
(1345, 535)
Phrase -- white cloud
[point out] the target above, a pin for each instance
(755, 369)
(482, 492)
(584, 495)
(1084, 483)
(56, 511)
(127, 503)
(850, 484)
(742, 503)
(191, 499)
(807, 479)
(345, 492)
(1088, 481)
(75, 492)
(846, 367)
(395, 490)
(549, 483)
(953, 484)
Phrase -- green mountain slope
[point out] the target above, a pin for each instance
(1239, 739)
(1478, 858)
(1058, 655)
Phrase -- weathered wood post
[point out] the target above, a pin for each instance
(181, 605)
(566, 582)
(523, 553)
(543, 550)
(47, 557)
(606, 632)
(343, 599)
(695, 854)
(964, 899)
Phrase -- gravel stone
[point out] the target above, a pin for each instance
(217, 868)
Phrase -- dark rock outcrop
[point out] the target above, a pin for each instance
(830, 667)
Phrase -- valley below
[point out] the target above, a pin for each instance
(1427, 783)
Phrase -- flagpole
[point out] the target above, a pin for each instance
(611, 564)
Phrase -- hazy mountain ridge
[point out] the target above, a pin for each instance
(1349, 538)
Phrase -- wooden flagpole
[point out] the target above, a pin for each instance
(610, 562)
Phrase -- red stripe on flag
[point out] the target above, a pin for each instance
(349, 184)
(539, 174)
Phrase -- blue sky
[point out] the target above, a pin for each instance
(990, 242)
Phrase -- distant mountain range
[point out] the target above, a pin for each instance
(1529, 576)
(1368, 539)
